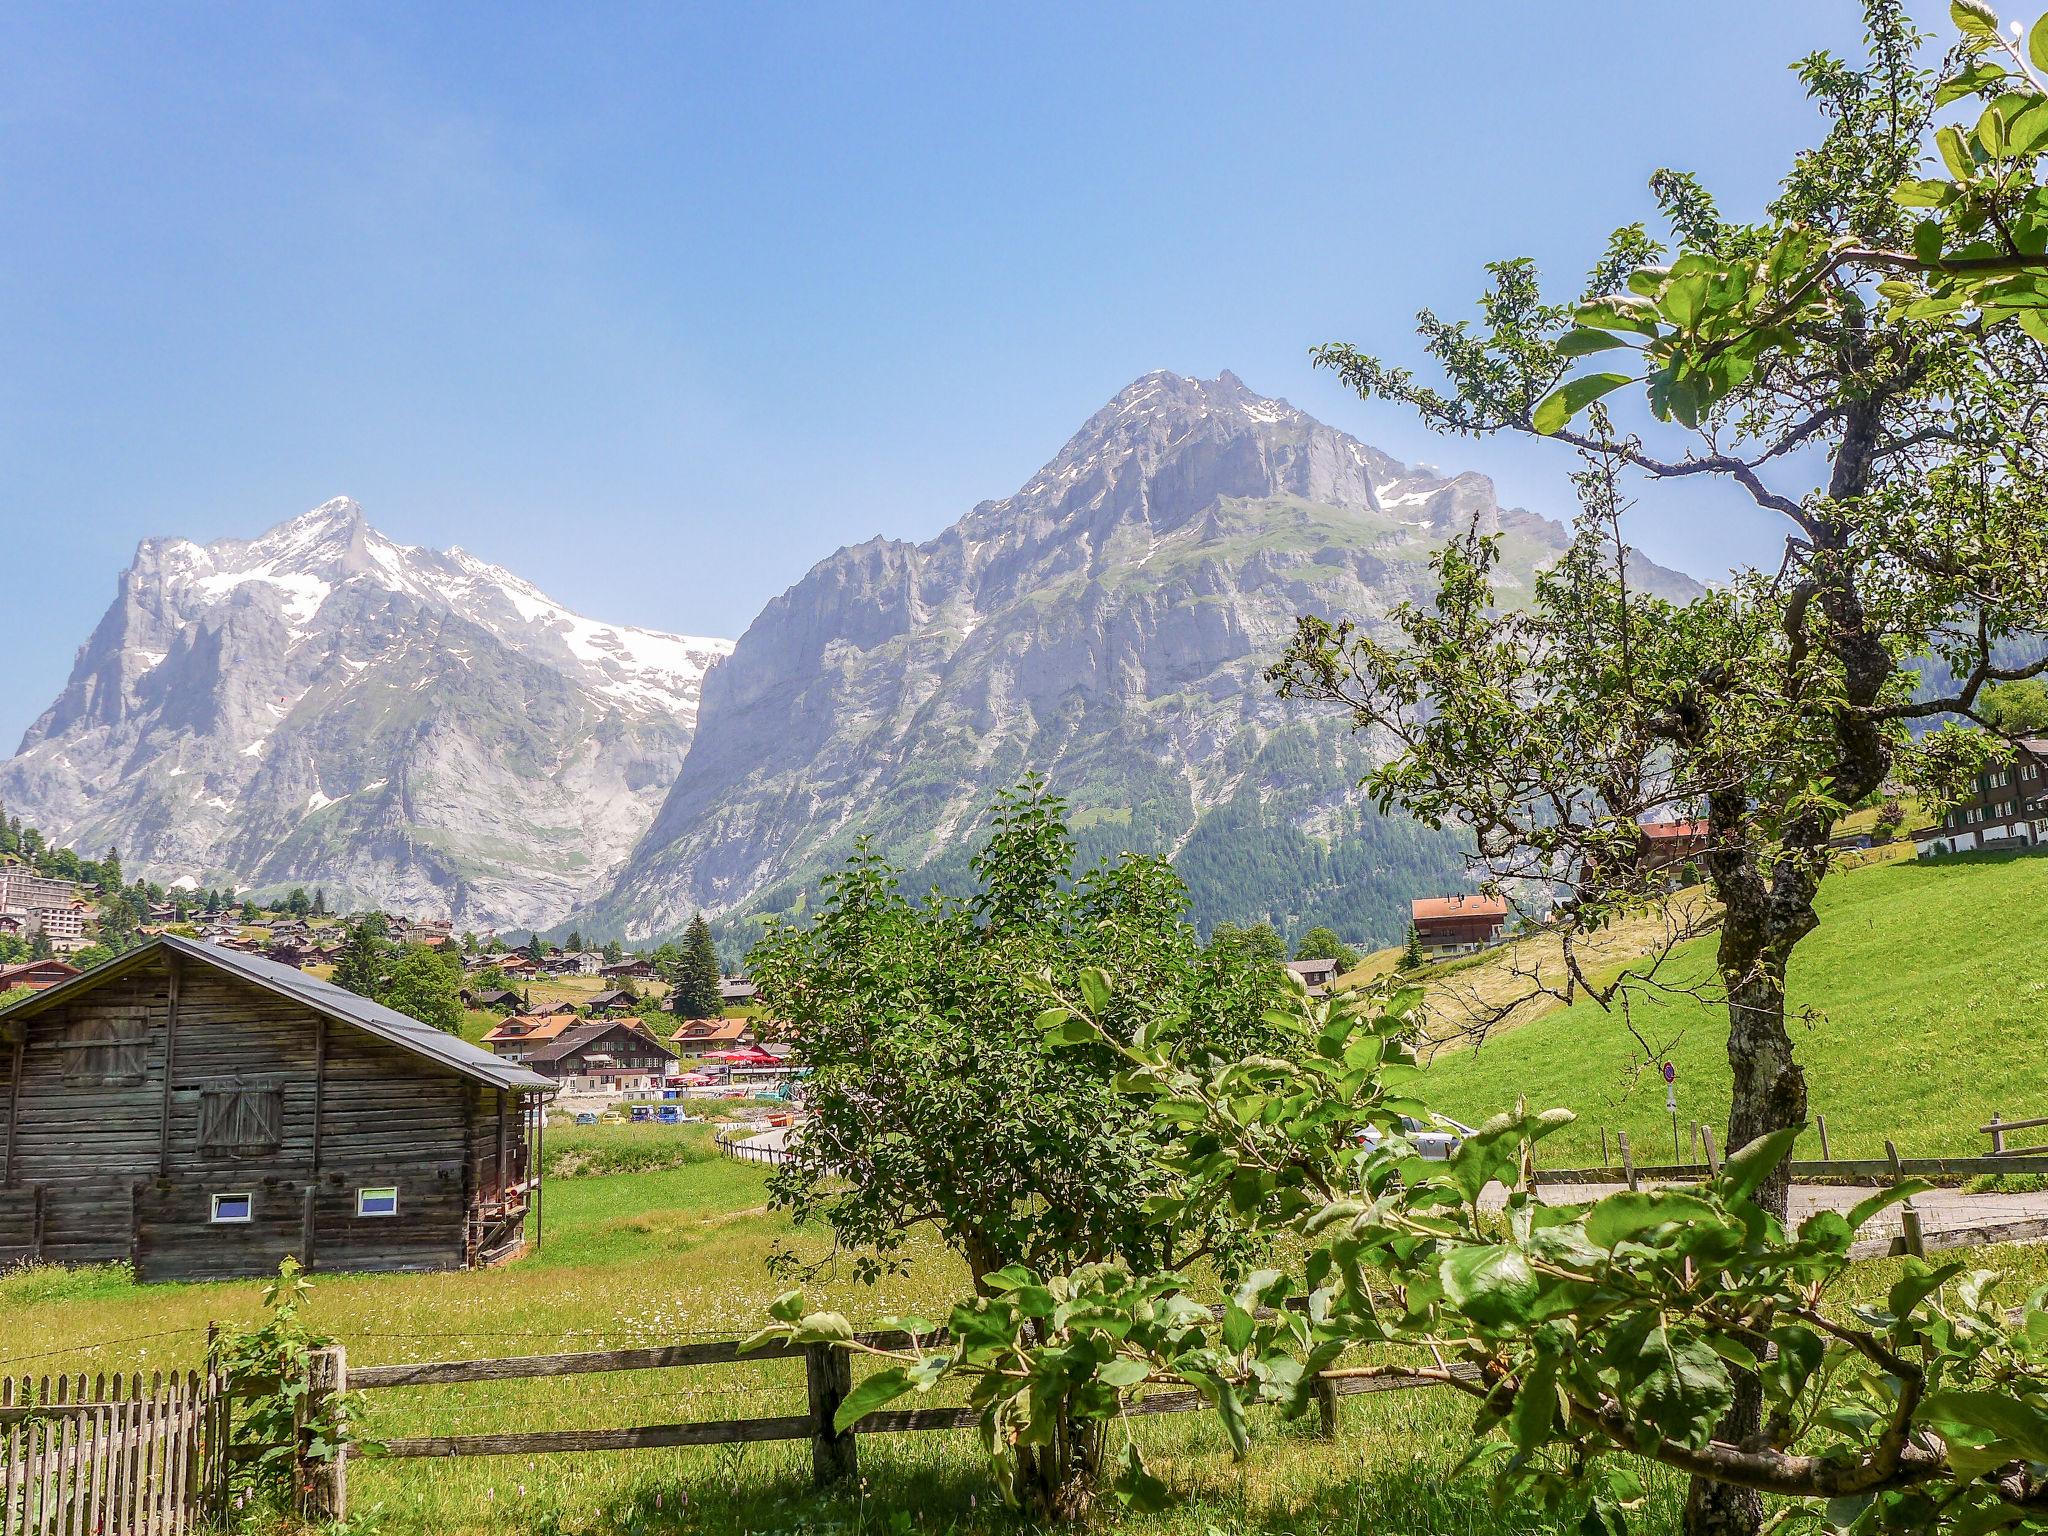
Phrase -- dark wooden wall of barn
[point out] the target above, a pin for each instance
(105, 1173)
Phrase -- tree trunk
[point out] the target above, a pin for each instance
(1058, 1481)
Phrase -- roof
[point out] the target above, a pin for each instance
(1674, 829)
(736, 989)
(322, 997)
(1457, 906)
(533, 1026)
(709, 1031)
(1313, 967)
(587, 1030)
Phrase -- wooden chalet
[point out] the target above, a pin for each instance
(36, 974)
(202, 1113)
(736, 989)
(696, 1036)
(609, 999)
(638, 969)
(523, 1032)
(490, 999)
(1669, 847)
(1452, 925)
(603, 1053)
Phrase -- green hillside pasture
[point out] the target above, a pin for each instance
(1919, 1008)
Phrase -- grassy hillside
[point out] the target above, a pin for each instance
(1921, 1006)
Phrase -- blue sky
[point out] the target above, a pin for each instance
(660, 306)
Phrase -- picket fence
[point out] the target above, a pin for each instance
(117, 1455)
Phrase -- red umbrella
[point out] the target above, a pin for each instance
(752, 1056)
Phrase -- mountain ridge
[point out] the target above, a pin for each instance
(388, 720)
(1110, 623)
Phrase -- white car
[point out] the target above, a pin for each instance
(1436, 1141)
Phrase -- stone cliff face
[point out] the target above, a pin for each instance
(1107, 625)
(322, 706)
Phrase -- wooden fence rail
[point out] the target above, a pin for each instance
(828, 1376)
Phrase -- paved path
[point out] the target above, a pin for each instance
(1941, 1210)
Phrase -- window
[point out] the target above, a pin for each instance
(240, 1117)
(107, 1050)
(232, 1208)
(377, 1202)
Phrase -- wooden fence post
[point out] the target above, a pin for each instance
(1603, 1148)
(828, 1377)
(324, 1482)
(1628, 1162)
(1326, 1406)
(1909, 1219)
(1713, 1157)
(1822, 1122)
(1997, 1136)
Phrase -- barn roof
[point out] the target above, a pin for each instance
(323, 997)
(571, 1041)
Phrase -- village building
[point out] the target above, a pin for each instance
(1317, 975)
(734, 990)
(2005, 808)
(23, 890)
(63, 926)
(490, 999)
(527, 1031)
(1456, 925)
(35, 974)
(636, 967)
(606, 1001)
(615, 1054)
(575, 962)
(695, 1037)
(1671, 850)
(203, 1113)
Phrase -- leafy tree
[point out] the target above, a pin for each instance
(251, 912)
(1865, 362)
(1323, 944)
(420, 984)
(1251, 941)
(696, 994)
(1588, 1338)
(614, 953)
(360, 965)
(298, 904)
(934, 1097)
(2016, 709)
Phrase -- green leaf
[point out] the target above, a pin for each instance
(1974, 19)
(1123, 1372)
(870, 1393)
(1679, 1385)
(1095, 988)
(1746, 1169)
(1923, 194)
(1584, 339)
(2037, 42)
(1491, 1284)
(1954, 154)
(1618, 1217)
(1571, 397)
(825, 1328)
(1870, 1205)
(1136, 1488)
(1535, 1406)
(1979, 1418)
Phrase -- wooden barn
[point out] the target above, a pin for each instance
(202, 1113)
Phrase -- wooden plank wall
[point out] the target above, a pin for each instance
(357, 1111)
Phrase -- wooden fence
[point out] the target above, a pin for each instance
(828, 1377)
(80, 1457)
(738, 1146)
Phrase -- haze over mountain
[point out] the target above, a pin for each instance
(323, 706)
(1107, 625)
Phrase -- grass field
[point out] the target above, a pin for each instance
(1919, 1006)
(678, 1253)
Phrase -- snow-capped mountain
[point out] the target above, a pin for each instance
(1108, 625)
(322, 705)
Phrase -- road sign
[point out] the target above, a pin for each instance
(1670, 1073)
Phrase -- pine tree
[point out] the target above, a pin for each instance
(697, 993)
(320, 902)
(360, 966)
(1412, 956)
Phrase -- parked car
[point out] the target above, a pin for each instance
(643, 1112)
(586, 1118)
(1435, 1141)
(668, 1114)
